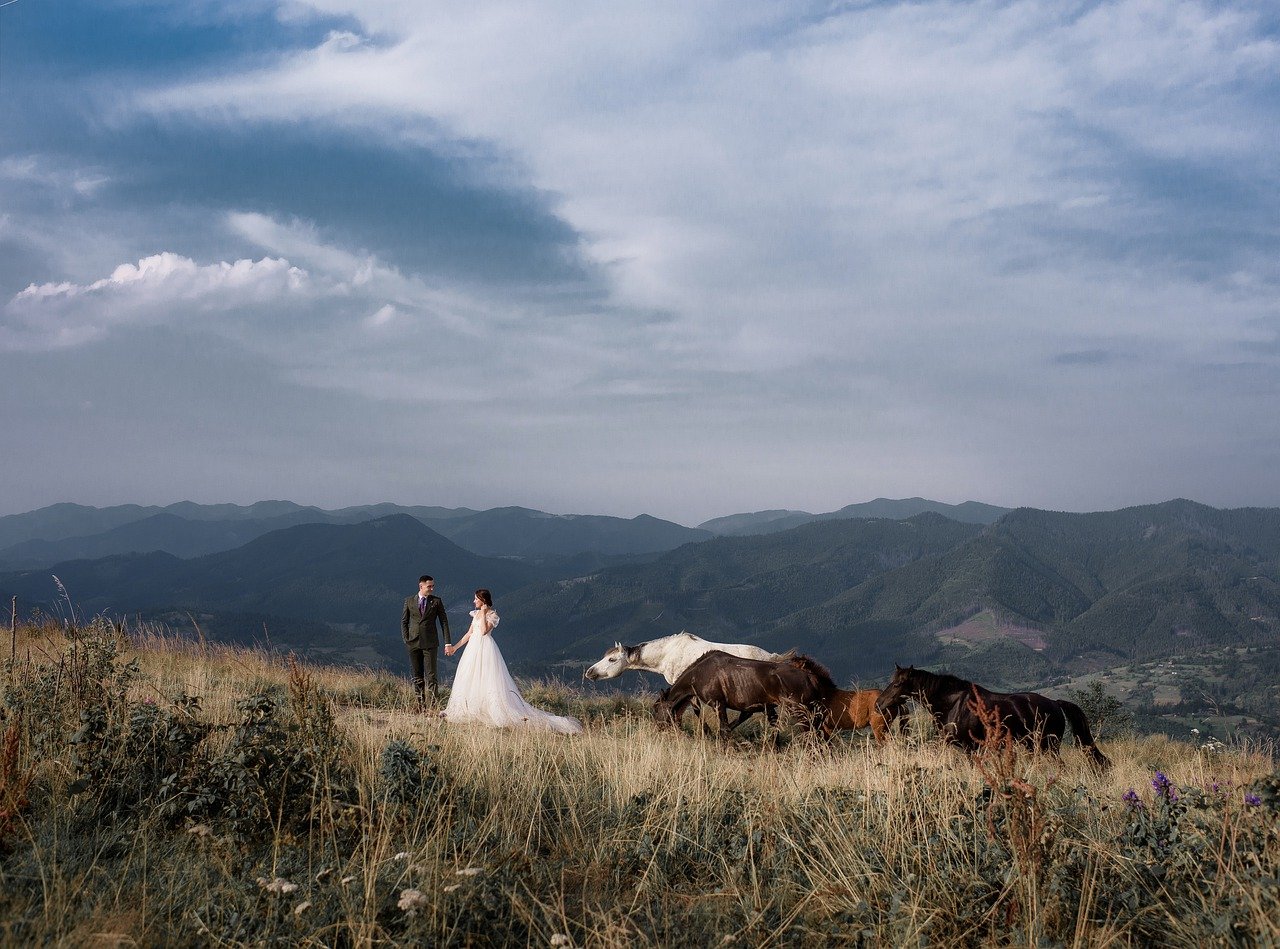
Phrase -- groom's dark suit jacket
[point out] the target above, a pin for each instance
(420, 631)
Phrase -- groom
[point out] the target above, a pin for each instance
(418, 624)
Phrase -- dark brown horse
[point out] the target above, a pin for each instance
(747, 686)
(956, 705)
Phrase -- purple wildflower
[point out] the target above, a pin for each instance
(1130, 797)
(1252, 800)
(1164, 787)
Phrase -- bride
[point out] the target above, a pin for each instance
(483, 690)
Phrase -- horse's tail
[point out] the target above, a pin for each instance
(1080, 726)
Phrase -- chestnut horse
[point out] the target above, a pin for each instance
(850, 710)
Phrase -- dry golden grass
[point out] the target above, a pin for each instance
(628, 835)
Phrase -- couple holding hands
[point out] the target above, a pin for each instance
(483, 690)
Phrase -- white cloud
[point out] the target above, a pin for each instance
(43, 171)
(866, 230)
(763, 173)
(384, 315)
(162, 288)
(171, 277)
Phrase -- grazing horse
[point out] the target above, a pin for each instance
(1033, 719)
(723, 681)
(668, 656)
(850, 710)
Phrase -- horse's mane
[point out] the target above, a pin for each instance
(944, 680)
(813, 667)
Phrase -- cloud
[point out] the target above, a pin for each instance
(734, 244)
(1086, 357)
(766, 173)
(159, 288)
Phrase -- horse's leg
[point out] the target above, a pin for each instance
(878, 726)
(678, 710)
(723, 713)
(702, 722)
(825, 722)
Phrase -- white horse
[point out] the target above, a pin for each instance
(668, 656)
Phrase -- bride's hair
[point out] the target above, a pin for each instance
(485, 597)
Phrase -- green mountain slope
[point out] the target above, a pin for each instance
(73, 532)
(163, 532)
(355, 574)
(724, 589)
(520, 532)
(1035, 596)
(769, 522)
(1088, 590)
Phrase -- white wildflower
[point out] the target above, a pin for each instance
(402, 855)
(278, 885)
(346, 880)
(469, 871)
(200, 830)
(301, 908)
(453, 886)
(412, 900)
(561, 940)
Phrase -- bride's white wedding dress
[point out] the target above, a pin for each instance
(483, 690)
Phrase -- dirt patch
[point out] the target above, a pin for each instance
(986, 627)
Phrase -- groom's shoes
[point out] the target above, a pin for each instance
(428, 705)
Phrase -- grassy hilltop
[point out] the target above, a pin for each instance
(158, 792)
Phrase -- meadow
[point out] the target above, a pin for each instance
(159, 791)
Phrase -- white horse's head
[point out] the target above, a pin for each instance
(612, 665)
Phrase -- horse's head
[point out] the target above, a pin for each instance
(611, 666)
(663, 713)
(899, 689)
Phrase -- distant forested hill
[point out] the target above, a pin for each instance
(75, 532)
(356, 574)
(520, 532)
(1034, 597)
(1036, 594)
(731, 588)
(769, 522)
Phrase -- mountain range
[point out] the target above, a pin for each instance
(74, 532)
(1030, 597)
(1035, 595)
(769, 522)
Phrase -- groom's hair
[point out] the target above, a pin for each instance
(426, 579)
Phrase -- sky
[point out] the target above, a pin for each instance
(683, 259)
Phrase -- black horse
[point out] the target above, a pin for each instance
(956, 705)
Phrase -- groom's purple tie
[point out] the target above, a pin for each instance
(422, 606)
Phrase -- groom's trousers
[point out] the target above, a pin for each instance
(424, 661)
